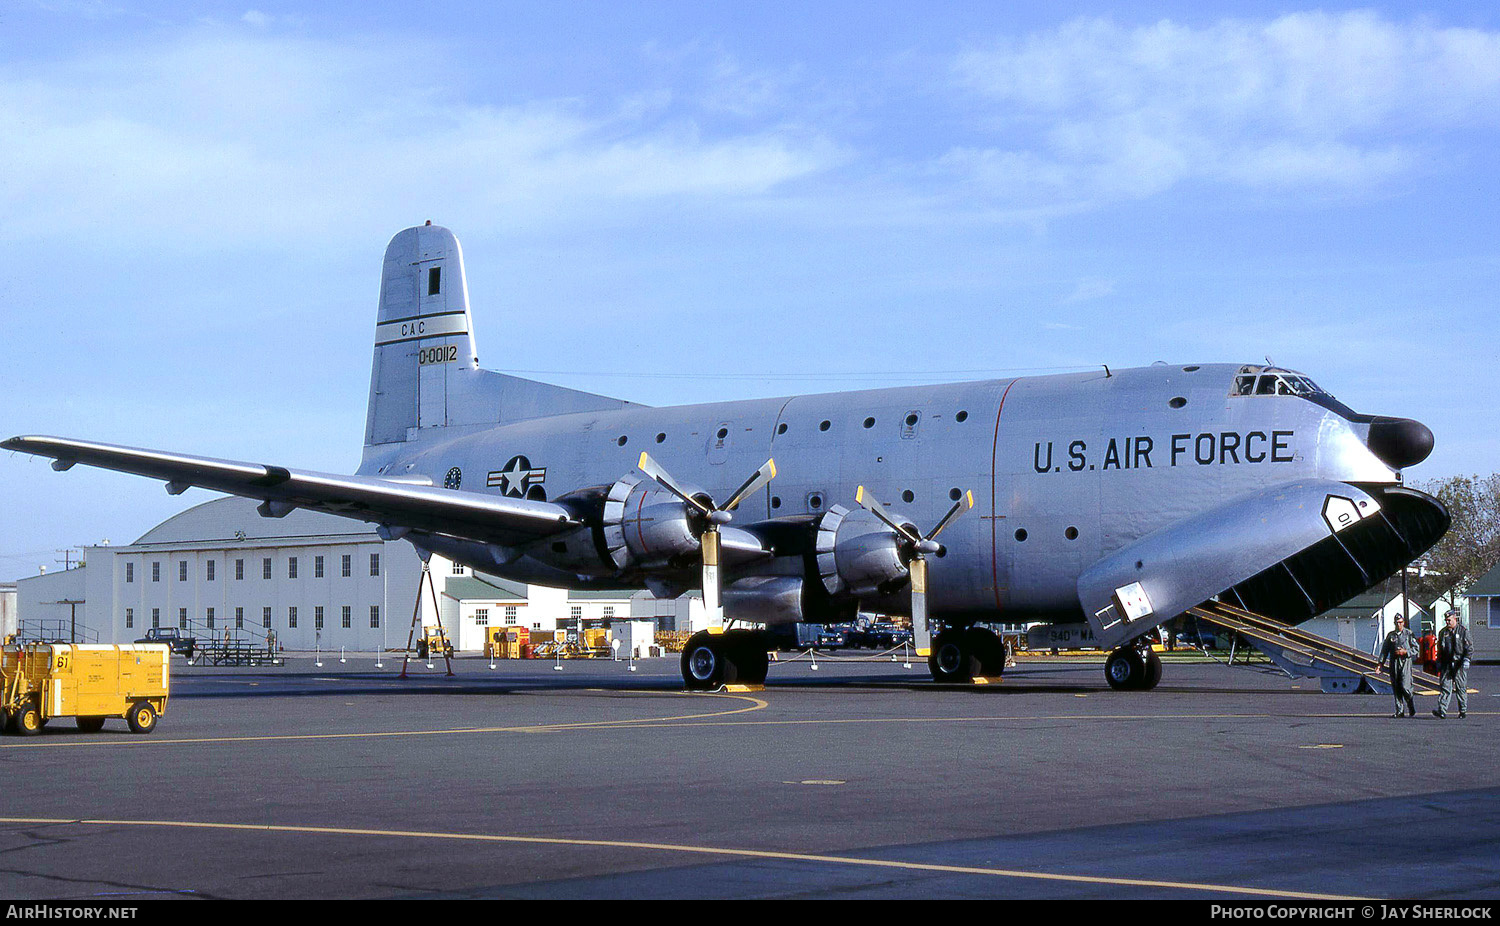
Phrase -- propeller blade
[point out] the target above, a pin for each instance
(653, 469)
(712, 598)
(921, 634)
(959, 507)
(754, 484)
(868, 502)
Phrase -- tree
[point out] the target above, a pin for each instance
(1472, 545)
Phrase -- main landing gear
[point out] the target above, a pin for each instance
(711, 660)
(960, 655)
(1133, 668)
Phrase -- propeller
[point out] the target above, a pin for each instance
(712, 517)
(916, 548)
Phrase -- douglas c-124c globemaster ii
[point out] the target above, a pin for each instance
(1110, 501)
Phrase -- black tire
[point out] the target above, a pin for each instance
(707, 662)
(29, 719)
(90, 724)
(6, 721)
(142, 717)
(748, 652)
(987, 648)
(952, 660)
(1153, 671)
(1125, 670)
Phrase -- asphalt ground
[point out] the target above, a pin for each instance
(860, 779)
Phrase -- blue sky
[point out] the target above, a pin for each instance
(696, 201)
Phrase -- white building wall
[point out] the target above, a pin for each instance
(7, 610)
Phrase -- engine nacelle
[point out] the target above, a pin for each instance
(857, 554)
(647, 527)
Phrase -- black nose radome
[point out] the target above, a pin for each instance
(1399, 442)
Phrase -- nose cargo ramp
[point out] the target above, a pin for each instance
(1302, 654)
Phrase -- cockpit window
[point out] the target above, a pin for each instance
(1251, 380)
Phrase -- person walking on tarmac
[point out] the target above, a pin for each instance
(1454, 651)
(1399, 649)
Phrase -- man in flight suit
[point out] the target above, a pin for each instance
(1399, 649)
(1454, 651)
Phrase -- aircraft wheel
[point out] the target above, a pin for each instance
(1125, 669)
(90, 724)
(1153, 671)
(142, 717)
(952, 658)
(707, 662)
(748, 650)
(988, 650)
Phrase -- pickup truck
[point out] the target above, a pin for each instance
(173, 638)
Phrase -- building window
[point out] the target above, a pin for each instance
(576, 612)
(156, 572)
(481, 617)
(291, 617)
(346, 617)
(182, 618)
(210, 567)
(182, 570)
(348, 568)
(458, 569)
(510, 613)
(209, 618)
(317, 567)
(374, 615)
(291, 567)
(130, 572)
(239, 570)
(265, 617)
(374, 564)
(609, 611)
(318, 618)
(129, 618)
(265, 568)
(156, 617)
(239, 618)
(1493, 612)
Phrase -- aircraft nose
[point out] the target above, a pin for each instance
(1399, 442)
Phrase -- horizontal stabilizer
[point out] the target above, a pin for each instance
(488, 518)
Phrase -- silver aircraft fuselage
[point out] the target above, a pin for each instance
(1065, 469)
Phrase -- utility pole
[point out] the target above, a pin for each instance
(72, 604)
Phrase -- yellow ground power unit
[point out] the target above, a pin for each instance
(90, 682)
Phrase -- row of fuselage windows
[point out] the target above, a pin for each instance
(212, 620)
(210, 568)
(911, 420)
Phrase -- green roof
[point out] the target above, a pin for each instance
(1362, 605)
(473, 588)
(601, 594)
(1487, 585)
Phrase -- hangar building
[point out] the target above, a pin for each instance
(312, 579)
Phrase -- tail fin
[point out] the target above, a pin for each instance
(426, 374)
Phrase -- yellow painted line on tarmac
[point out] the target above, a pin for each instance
(756, 704)
(854, 861)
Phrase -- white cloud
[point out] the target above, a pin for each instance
(232, 133)
(1095, 110)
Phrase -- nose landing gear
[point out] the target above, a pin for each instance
(1133, 668)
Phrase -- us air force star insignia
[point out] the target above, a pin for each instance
(518, 478)
(454, 479)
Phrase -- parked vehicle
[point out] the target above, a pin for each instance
(175, 640)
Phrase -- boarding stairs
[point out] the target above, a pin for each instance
(1303, 654)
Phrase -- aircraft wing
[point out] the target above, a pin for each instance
(487, 518)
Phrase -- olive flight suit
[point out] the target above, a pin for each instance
(1454, 652)
(1401, 682)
